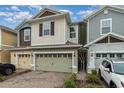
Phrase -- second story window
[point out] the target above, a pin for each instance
(72, 32)
(105, 26)
(27, 35)
(46, 28)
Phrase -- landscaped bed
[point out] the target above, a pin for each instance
(85, 84)
(90, 81)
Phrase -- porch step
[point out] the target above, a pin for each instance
(18, 72)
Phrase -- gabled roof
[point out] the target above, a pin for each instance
(58, 14)
(36, 17)
(50, 10)
(104, 36)
(8, 29)
(114, 8)
(20, 25)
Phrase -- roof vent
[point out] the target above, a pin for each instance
(105, 11)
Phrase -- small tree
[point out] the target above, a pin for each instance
(82, 57)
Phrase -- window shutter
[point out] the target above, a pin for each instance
(52, 28)
(40, 29)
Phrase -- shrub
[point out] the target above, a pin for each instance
(69, 84)
(92, 78)
(94, 72)
(2, 78)
(72, 77)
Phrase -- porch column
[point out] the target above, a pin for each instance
(91, 61)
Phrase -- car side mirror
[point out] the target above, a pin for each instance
(107, 70)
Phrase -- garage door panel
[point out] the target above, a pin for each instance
(59, 64)
(24, 62)
(102, 56)
(63, 64)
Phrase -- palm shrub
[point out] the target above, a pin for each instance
(92, 78)
(69, 84)
(2, 78)
(94, 72)
(73, 77)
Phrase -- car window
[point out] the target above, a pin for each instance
(108, 65)
(104, 63)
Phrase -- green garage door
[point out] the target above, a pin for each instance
(54, 62)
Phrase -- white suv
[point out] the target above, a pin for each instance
(112, 71)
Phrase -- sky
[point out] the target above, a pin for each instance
(12, 15)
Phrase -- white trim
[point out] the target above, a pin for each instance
(46, 22)
(65, 37)
(114, 8)
(29, 31)
(54, 52)
(46, 9)
(75, 32)
(107, 19)
(44, 47)
(108, 39)
(7, 45)
(88, 31)
(120, 51)
(105, 35)
(18, 38)
(46, 17)
(0, 37)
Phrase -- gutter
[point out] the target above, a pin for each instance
(29, 48)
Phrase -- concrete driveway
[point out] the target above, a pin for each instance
(35, 79)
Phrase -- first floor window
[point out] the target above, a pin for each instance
(72, 32)
(98, 55)
(104, 55)
(112, 55)
(27, 35)
(119, 55)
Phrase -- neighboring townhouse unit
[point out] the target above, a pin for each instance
(49, 42)
(8, 39)
(105, 35)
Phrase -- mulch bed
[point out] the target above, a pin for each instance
(85, 84)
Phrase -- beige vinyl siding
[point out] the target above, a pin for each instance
(57, 38)
(9, 38)
(5, 56)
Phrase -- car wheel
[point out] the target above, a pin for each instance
(99, 73)
(8, 71)
(112, 85)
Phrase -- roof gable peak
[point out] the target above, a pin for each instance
(48, 12)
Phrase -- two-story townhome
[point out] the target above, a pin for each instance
(48, 41)
(8, 39)
(105, 35)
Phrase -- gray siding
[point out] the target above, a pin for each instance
(117, 24)
(82, 36)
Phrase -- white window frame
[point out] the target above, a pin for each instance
(101, 25)
(48, 28)
(27, 30)
(73, 32)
